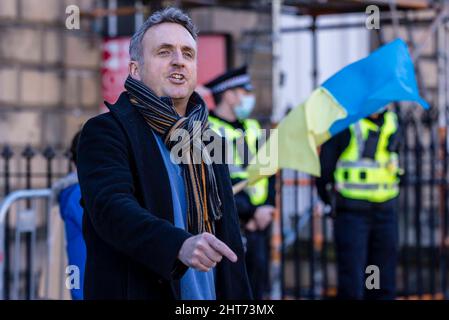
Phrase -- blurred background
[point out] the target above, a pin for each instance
(54, 76)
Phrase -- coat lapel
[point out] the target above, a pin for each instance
(151, 170)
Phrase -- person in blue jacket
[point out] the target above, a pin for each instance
(72, 214)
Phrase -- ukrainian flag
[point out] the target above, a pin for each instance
(355, 92)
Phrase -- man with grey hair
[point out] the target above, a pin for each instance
(155, 229)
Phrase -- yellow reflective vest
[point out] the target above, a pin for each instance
(258, 193)
(375, 180)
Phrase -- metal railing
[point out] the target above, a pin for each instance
(26, 223)
(26, 168)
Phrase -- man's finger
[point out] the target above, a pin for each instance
(200, 267)
(205, 261)
(197, 265)
(222, 248)
(211, 253)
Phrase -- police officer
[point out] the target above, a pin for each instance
(235, 100)
(360, 179)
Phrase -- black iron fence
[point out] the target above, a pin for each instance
(26, 168)
(305, 262)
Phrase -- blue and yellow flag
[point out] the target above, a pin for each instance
(355, 92)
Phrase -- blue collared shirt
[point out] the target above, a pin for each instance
(195, 285)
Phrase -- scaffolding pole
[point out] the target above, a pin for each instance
(278, 288)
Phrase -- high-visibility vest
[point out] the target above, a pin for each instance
(258, 193)
(374, 180)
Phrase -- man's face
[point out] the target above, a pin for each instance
(234, 96)
(169, 61)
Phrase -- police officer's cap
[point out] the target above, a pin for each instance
(236, 78)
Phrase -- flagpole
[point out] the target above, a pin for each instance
(276, 266)
(239, 186)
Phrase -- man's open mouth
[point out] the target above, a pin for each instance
(177, 78)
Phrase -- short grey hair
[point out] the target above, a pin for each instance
(170, 14)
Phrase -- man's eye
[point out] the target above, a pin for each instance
(163, 52)
(188, 55)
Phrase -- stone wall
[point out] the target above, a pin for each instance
(46, 72)
(49, 78)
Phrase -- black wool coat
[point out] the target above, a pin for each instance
(132, 244)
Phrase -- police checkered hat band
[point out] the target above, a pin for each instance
(239, 81)
(237, 78)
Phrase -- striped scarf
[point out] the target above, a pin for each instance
(203, 201)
